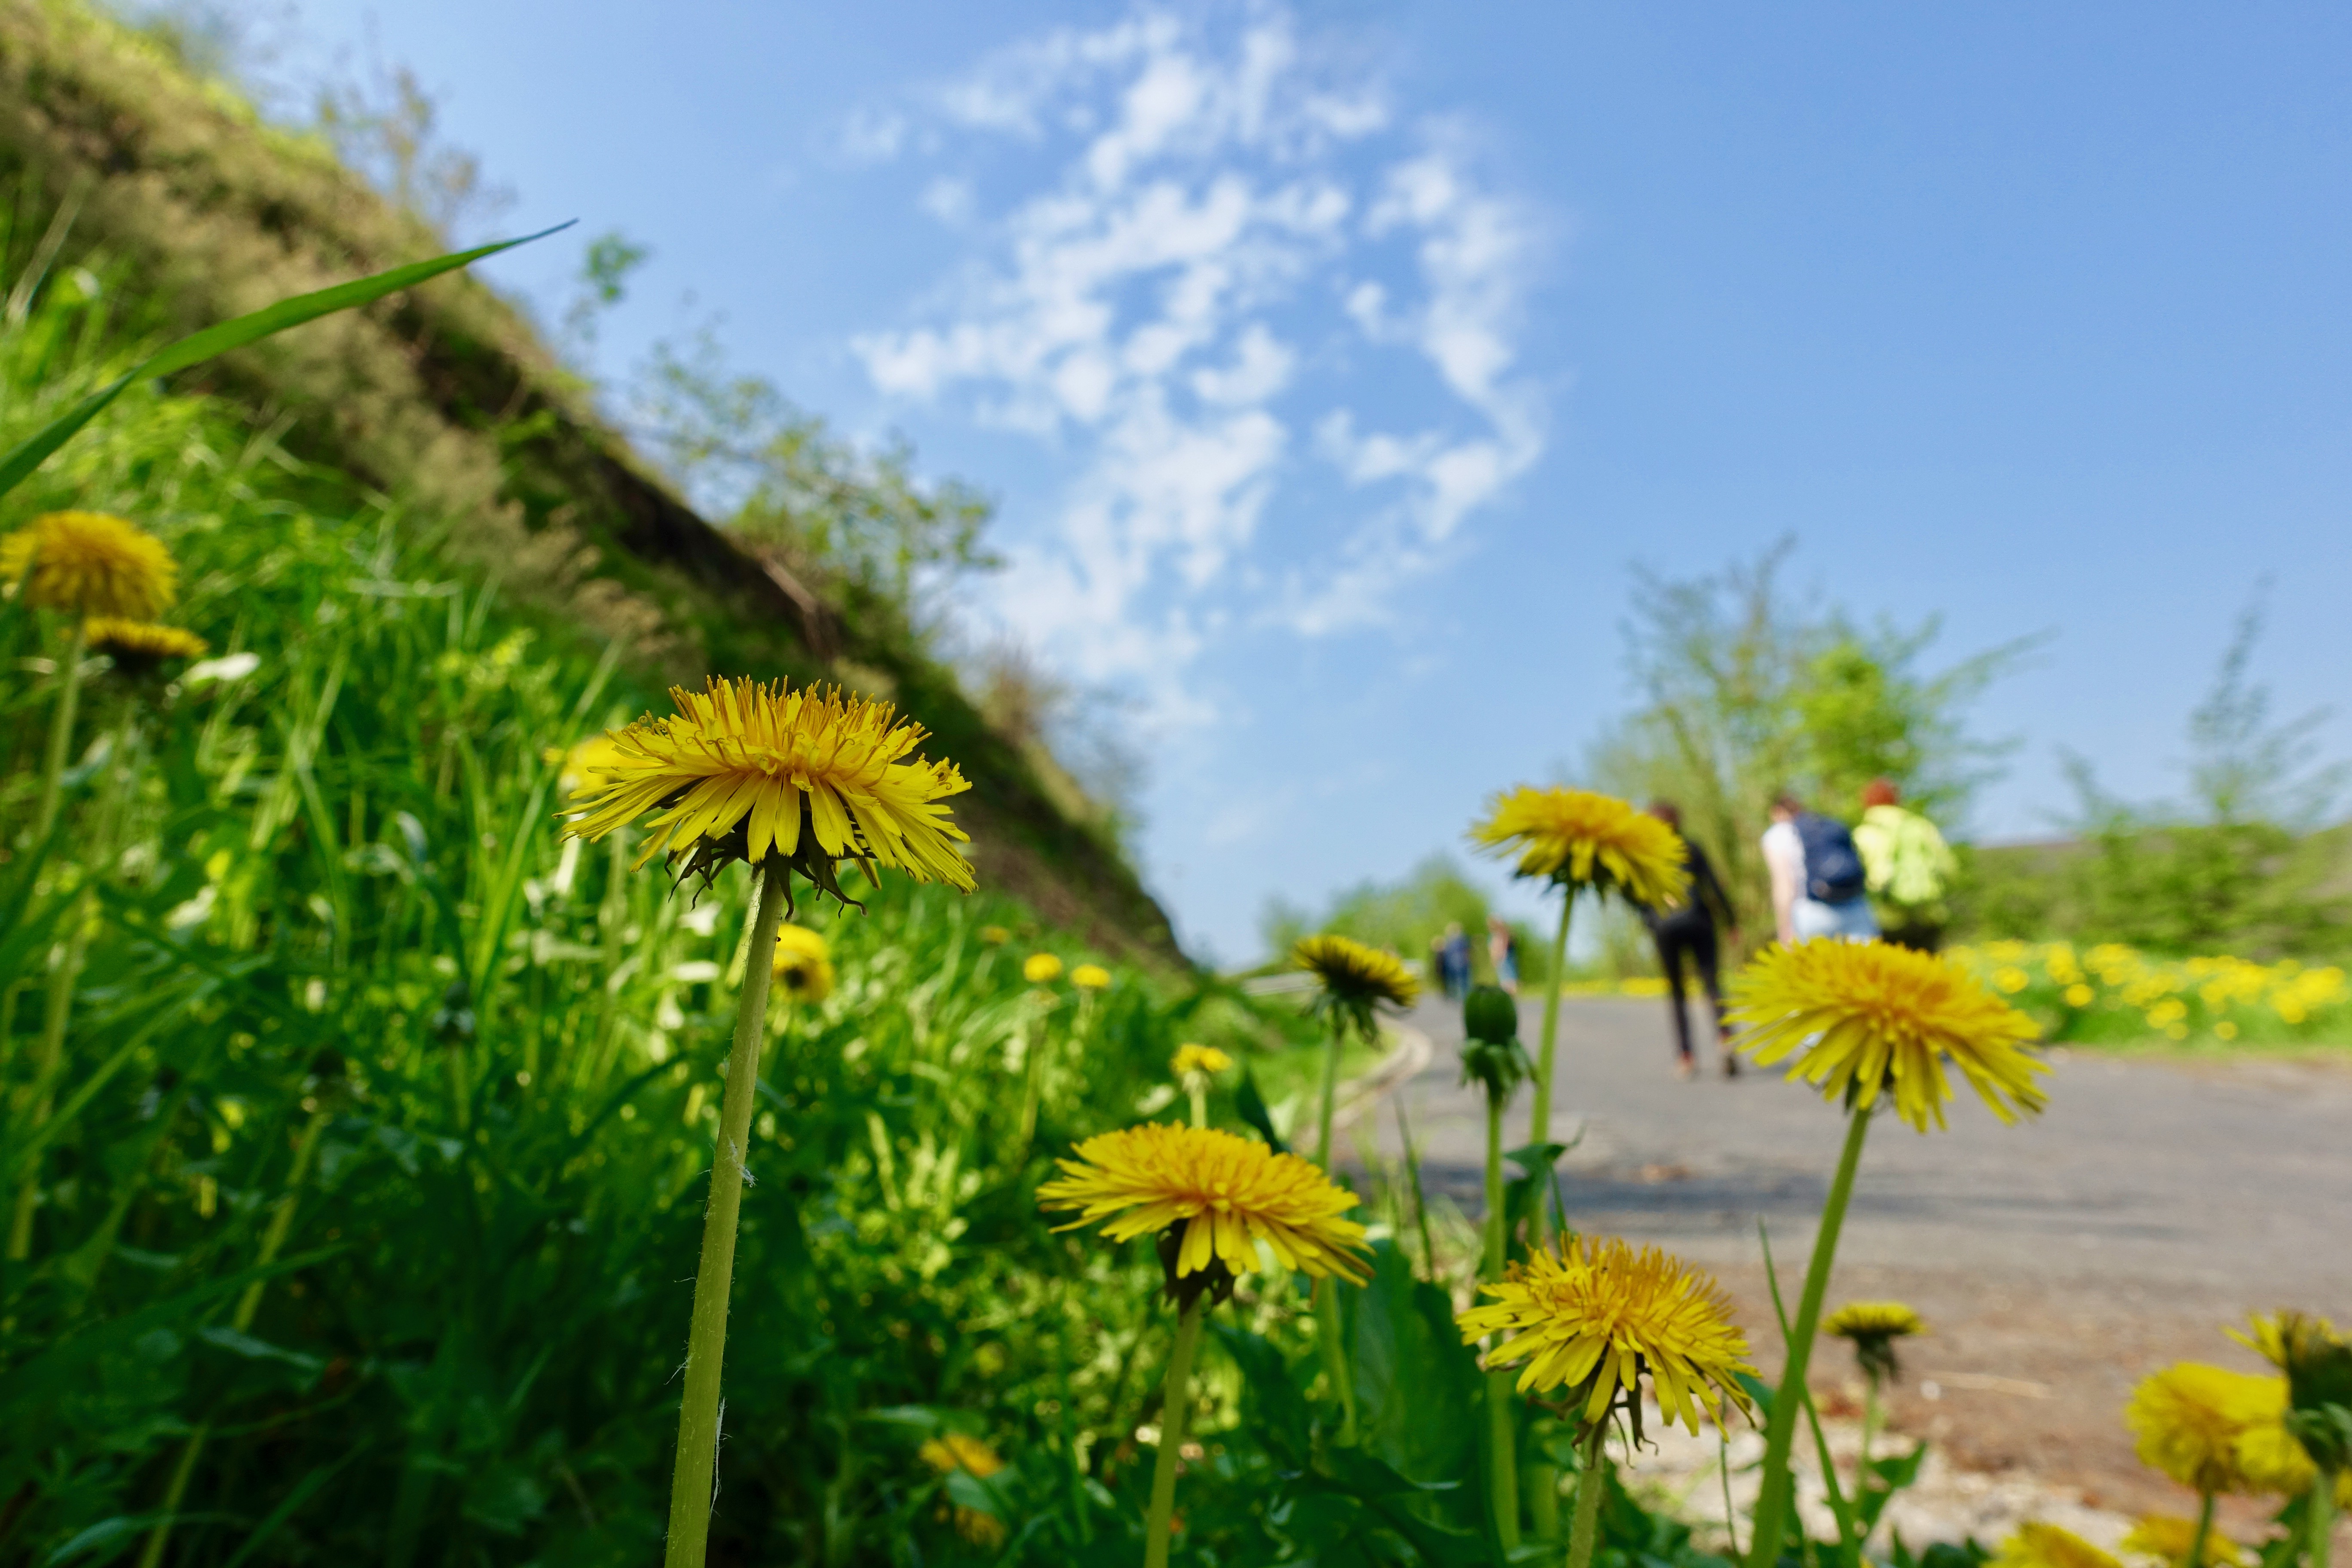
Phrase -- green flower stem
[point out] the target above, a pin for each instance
(1326, 1291)
(1175, 1399)
(2323, 1517)
(691, 1487)
(1591, 1482)
(1502, 1460)
(1200, 1105)
(1780, 1430)
(61, 727)
(1539, 1124)
(2204, 1528)
(1330, 1095)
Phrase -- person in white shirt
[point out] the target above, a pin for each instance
(1818, 885)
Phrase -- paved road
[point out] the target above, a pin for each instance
(2057, 1262)
(2236, 1178)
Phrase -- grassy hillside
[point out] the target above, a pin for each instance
(113, 157)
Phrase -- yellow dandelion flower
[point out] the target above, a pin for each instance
(2080, 996)
(2317, 1362)
(1356, 978)
(140, 648)
(2168, 1538)
(995, 936)
(952, 1451)
(1597, 1314)
(2009, 979)
(1859, 1013)
(1091, 977)
(2037, 1545)
(1192, 1058)
(1873, 1327)
(1577, 838)
(2194, 1423)
(745, 771)
(1041, 969)
(1211, 1196)
(92, 564)
(803, 963)
(1859, 1320)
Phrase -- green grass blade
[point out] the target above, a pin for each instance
(218, 339)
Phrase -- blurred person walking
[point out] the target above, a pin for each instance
(1454, 960)
(1819, 887)
(1908, 867)
(1686, 934)
(1503, 952)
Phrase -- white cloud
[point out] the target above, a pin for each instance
(1236, 241)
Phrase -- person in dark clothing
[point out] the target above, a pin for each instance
(1686, 935)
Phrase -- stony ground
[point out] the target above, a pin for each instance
(2057, 1262)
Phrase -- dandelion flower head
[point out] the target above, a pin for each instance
(1192, 1058)
(140, 648)
(952, 1451)
(2167, 1538)
(1859, 1016)
(1595, 1315)
(744, 770)
(1873, 1327)
(2209, 1428)
(90, 564)
(1356, 978)
(1577, 838)
(2318, 1365)
(1091, 977)
(1041, 969)
(1860, 1320)
(2037, 1545)
(995, 936)
(803, 963)
(1217, 1195)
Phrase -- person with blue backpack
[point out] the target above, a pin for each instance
(1819, 887)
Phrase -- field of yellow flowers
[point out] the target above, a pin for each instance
(2112, 993)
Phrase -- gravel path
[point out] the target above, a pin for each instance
(2058, 1261)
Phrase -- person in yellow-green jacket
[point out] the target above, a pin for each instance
(1909, 865)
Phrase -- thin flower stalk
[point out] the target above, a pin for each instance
(1503, 1472)
(1591, 1480)
(1781, 1427)
(1491, 1058)
(1540, 1113)
(1175, 1403)
(692, 1487)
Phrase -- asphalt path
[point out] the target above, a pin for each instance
(2057, 1262)
(2156, 1174)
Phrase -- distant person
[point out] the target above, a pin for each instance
(1909, 867)
(1503, 952)
(1818, 885)
(1686, 934)
(1455, 966)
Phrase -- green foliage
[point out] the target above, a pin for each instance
(315, 899)
(1746, 690)
(854, 515)
(2235, 868)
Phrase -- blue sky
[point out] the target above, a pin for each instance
(1335, 366)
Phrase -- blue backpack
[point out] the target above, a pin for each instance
(1833, 872)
